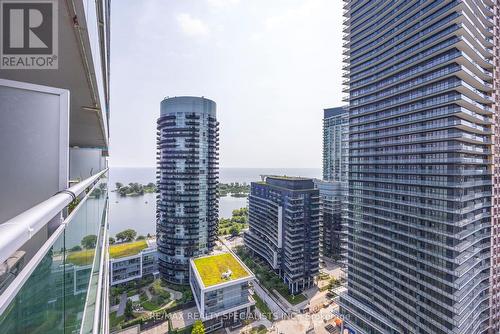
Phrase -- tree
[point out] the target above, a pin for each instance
(136, 188)
(129, 312)
(151, 185)
(141, 237)
(234, 231)
(75, 248)
(239, 219)
(111, 240)
(118, 185)
(126, 235)
(124, 190)
(198, 327)
(89, 241)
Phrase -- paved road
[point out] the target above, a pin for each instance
(123, 303)
(277, 310)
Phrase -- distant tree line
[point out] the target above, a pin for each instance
(235, 189)
(128, 235)
(135, 189)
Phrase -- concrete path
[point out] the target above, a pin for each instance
(123, 303)
(183, 318)
(113, 308)
(159, 329)
(147, 292)
(246, 329)
(174, 295)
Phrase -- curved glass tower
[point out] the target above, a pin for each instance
(187, 177)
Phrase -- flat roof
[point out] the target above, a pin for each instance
(293, 183)
(127, 249)
(330, 112)
(212, 268)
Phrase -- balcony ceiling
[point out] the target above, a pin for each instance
(88, 121)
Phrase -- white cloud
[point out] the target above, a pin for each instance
(192, 26)
(222, 3)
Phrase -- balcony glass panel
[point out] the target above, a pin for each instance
(55, 296)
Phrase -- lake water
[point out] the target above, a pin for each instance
(139, 212)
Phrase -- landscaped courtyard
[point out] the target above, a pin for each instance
(145, 296)
(268, 278)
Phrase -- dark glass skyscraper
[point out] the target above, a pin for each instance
(187, 177)
(420, 79)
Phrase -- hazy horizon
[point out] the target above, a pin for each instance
(258, 167)
(271, 67)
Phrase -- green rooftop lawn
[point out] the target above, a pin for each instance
(81, 258)
(127, 249)
(210, 268)
(86, 256)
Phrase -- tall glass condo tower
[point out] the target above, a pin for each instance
(187, 177)
(420, 78)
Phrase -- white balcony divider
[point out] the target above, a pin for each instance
(15, 232)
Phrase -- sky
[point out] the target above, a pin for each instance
(271, 66)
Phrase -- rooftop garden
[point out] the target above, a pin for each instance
(212, 269)
(81, 258)
(127, 249)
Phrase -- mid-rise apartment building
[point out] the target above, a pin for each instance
(187, 177)
(421, 78)
(53, 152)
(136, 266)
(284, 228)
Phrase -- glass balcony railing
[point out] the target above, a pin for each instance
(60, 290)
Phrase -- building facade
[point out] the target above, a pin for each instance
(187, 178)
(137, 266)
(54, 149)
(284, 228)
(331, 237)
(495, 228)
(336, 144)
(221, 290)
(420, 83)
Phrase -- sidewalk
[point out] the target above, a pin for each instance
(123, 303)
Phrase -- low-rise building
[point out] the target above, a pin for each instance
(135, 266)
(220, 285)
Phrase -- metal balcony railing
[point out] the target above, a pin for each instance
(61, 279)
